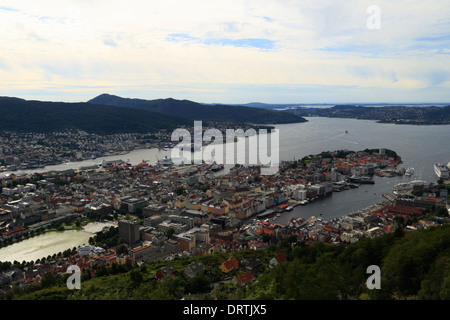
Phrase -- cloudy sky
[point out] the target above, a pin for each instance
(280, 51)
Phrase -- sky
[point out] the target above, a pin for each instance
(280, 51)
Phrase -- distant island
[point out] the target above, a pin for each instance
(387, 114)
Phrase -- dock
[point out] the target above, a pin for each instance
(389, 196)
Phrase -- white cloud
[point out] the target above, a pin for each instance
(116, 45)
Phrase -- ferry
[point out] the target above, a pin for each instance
(361, 180)
(442, 170)
(409, 171)
(165, 162)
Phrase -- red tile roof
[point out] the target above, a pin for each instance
(245, 278)
(281, 257)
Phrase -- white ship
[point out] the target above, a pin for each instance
(166, 161)
(409, 171)
(407, 186)
(442, 170)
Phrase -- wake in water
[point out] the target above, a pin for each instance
(336, 137)
(340, 135)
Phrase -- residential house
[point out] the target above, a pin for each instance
(166, 272)
(252, 264)
(277, 260)
(229, 265)
(194, 269)
(245, 278)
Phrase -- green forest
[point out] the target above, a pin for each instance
(197, 111)
(40, 116)
(414, 265)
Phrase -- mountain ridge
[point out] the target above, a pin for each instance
(197, 111)
(44, 116)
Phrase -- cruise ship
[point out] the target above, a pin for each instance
(442, 170)
(407, 186)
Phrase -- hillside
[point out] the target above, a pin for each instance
(414, 265)
(38, 116)
(196, 111)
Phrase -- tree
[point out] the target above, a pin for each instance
(198, 284)
(136, 277)
(441, 212)
(101, 271)
(179, 191)
(400, 221)
(48, 280)
(170, 232)
(122, 250)
(139, 213)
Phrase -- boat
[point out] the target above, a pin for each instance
(266, 214)
(289, 208)
(217, 167)
(143, 163)
(346, 131)
(409, 171)
(407, 186)
(442, 170)
(361, 180)
(281, 207)
(191, 147)
(164, 162)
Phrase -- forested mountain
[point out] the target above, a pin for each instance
(196, 111)
(38, 116)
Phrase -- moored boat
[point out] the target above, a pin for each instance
(441, 170)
